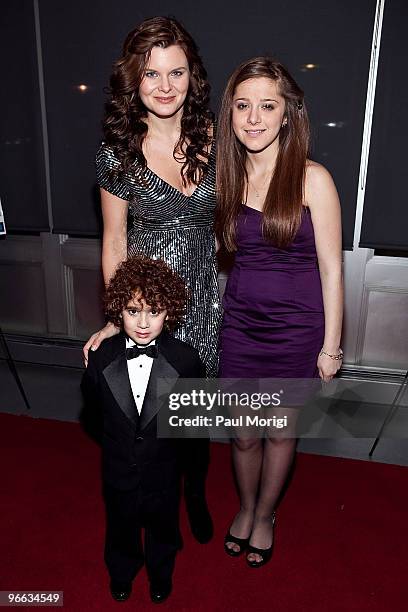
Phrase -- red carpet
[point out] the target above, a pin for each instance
(340, 540)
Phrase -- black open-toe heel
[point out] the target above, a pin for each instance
(241, 542)
(264, 553)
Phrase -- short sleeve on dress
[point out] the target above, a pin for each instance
(106, 163)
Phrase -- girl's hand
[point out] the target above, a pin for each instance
(95, 340)
(328, 367)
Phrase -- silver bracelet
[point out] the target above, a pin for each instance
(337, 357)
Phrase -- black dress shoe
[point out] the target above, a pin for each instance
(158, 594)
(200, 519)
(120, 591)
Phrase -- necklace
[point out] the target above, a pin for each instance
(257, 191)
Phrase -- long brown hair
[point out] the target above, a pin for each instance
(123, 125)
(283, 203)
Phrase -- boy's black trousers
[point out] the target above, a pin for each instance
(127, 513)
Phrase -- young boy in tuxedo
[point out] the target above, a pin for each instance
(140, 472)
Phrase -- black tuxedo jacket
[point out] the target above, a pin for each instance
(132, 455)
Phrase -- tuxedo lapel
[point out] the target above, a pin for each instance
(162, 379)
(117, 378)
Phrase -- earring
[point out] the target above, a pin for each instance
(284, 122)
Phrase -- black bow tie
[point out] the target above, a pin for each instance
(136, 351)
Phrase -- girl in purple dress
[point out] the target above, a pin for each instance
(280, 213)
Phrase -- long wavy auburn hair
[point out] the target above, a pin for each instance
(283, 205)
(124, 128)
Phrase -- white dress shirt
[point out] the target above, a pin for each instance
(139, 369)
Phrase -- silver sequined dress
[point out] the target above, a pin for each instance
(165, 224)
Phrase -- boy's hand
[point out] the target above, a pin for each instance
(95, 340)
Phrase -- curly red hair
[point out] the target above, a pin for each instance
(151, 280)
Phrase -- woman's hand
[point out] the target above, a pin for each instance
(95, 340)
(328, 367)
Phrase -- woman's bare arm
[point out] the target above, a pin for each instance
(114, 243)
(114, 251)
(324, 205)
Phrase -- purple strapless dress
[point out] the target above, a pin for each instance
(273, 325)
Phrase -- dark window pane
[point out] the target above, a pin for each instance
(385, 219)
(22, 175)
(333, 36)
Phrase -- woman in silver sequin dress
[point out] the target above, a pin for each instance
(157, 175)
(156, 170)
